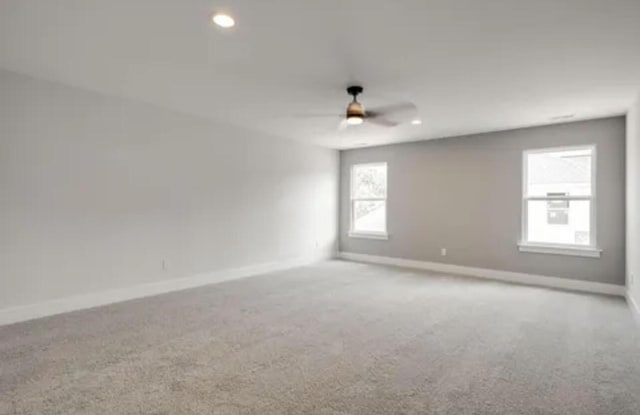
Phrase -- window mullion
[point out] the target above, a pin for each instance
(546, 198)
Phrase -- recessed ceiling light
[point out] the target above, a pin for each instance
(563, 117)
(223, 20)
(416, 122)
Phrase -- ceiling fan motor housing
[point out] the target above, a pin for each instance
(355, 109)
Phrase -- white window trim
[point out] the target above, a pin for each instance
(591, 250)
(363, 234)
(572, 250)
(369, 235)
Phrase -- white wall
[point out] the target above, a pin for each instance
(97, 191)
(633, 202)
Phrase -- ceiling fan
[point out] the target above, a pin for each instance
(387, 116)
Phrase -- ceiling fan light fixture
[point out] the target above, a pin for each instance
(355, 119)
(416, 122)
(355, 113)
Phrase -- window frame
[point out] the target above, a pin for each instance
(524, 245)
(352, 199)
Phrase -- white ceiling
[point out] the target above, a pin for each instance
(469, 65)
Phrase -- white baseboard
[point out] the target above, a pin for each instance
(635, 307)
(513, 277)
(83, 301)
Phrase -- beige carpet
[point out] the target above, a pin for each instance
(337, 338)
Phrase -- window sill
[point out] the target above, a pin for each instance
(560, 250)
(365, 235)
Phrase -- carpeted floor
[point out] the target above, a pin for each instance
(336, 338)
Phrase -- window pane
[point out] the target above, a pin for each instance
(370, 216)
(559, 222)
(370, 181)
(559, 173)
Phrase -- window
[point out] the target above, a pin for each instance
(369, 200)
(559, 191)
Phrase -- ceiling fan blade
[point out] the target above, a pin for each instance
(393, 109)
(343, 125)
(381, 121)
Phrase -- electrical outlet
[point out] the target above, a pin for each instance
(164, 265)
(443, 251)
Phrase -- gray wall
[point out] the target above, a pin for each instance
(633, 201)
(464, 194)
(96, 192)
